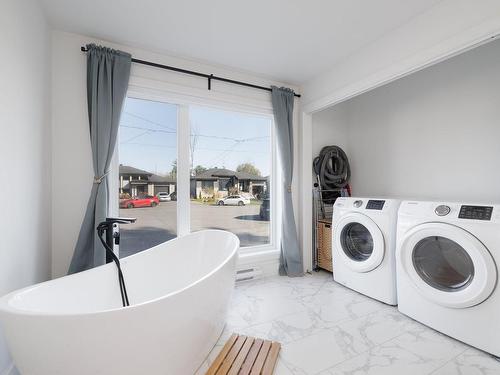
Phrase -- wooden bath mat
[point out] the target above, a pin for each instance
(243, 355)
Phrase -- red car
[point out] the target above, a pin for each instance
(147, 201)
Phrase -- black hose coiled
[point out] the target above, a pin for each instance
(332, 168)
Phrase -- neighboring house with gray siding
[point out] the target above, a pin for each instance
(137, 182)
(220, 182)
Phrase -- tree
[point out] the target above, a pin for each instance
(248, 168)
(173, 172)
(199, 169)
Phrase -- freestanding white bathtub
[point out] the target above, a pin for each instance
(179, 293)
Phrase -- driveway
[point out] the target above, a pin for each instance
(159, 224)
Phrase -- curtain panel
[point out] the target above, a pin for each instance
(291, 263)
(108, 73)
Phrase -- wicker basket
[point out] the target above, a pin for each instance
(324, 234)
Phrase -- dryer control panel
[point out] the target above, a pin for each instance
(375, 204)
(475, 212)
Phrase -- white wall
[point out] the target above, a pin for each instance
(427, 38)
(447, 29)
(431, 135)
(72, 166)
(24, 149)
(330, 128)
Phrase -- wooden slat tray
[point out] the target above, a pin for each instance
(243, 355)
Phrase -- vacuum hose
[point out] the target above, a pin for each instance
(332, 168)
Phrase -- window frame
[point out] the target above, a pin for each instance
(184, 102)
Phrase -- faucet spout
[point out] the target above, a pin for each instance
(119, 220)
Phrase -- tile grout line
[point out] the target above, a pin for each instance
(382, 343)
(283, 362)
(451, 359)
(394, 338)
(284, 315)
(307, 309)
(360, 353)
(335, 325)
(354, 355)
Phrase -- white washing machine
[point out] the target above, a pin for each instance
(446, 271)
(364, 243)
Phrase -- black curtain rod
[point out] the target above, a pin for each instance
(209, 77)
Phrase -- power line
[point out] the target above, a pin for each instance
(135, 137)
(150, 121)
(223, 154)
(201, 149)
(192, 134)
(229, 138)
(200, 135)
(148, 129)
(147, 145)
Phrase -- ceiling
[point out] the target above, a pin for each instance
(288, 40)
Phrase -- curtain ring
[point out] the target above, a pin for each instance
(289, 188)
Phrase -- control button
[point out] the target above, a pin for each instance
(358, 203)
(442, 210)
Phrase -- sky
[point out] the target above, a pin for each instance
(147, 137)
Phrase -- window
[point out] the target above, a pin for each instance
(147, 149)
(234, 150)
(225, 180)
(443, 264)
(357, 242)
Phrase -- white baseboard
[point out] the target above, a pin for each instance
(265, 262)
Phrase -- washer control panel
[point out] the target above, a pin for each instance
(375, 204)
(442, 210)
(475, 212)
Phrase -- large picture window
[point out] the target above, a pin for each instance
(147, 147)
(231, 167)
(231, 158)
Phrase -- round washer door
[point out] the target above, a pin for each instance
(360, 242)
(447, 265)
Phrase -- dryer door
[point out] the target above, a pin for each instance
(447, 265)
(359, 241)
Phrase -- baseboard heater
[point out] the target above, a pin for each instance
(248, 274)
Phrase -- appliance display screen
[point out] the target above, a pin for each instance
(475, 212)
(375, 205)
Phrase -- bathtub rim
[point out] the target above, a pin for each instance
(6, 308)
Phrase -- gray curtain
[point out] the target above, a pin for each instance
(290, 256)
(108, 73)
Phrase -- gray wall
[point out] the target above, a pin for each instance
(432, 135)
(25, 254)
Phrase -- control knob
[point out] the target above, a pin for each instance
(442, 210)
(358, 203)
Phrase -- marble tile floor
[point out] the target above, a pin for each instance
(327, 329)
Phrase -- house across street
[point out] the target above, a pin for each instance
(212, 183)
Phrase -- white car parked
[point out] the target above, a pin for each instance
(233, 200)
(164, 197)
